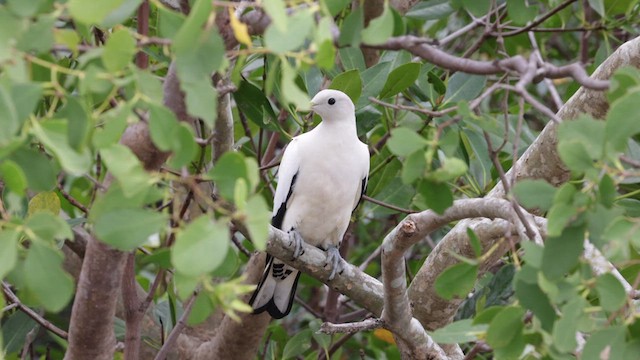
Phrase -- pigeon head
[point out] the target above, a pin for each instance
(332, 105)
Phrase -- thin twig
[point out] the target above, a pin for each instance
(34, 315)
(388, 206)
(177, 330)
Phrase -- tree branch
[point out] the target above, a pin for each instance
(540, 161)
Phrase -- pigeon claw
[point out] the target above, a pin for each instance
(335, 260)
(296, 243)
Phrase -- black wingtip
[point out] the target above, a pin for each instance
(271, 307)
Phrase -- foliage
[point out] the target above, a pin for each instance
(69, 87)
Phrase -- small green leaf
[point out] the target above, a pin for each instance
(413, 167)
(456, 281)
(348, 82)
(437, 195)
(404, 141)
(612, 337)
(561, 253)
(277, 11)
(45, 201)
(201, 99)
(48, 227)
(37, 168)
(162, 127)
(565, 329)
(457, 332)
(400, 78)
(257, 221)
(297, 345)
(574, 154)
(298, 28)
(505, 326)
(290, 90)
(620, 126)
(230, 167)
(559, 216)
(380, 28)
(351, 29)
(126, 229)
(463, 86)
(611, 291)
(202, 308)
(598, 6)
(530, 295)
(253, 103)
(24, 8)
(607, 191)
(200, 247)
(8, 251)
(51, 286)
(520, 12)
(13, 176)
(119, 50)
(475, 242)
(450, 169)
(430, 10)
(534, 193)
(127, 169)
(53, 134)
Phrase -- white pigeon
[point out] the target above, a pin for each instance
(322, 177)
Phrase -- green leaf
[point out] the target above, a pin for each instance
(505, 326)
(574, 154)
(9, 118)
(200, 247)
(257, 221)
(607, 191)
(202, 100)
(297, 30)
(620, 126)
(119, 50)
(534, 193)
(126, 229)
(47, 227)
(373, 79)
(78, 122)
(38, 37)
(114, 123)
(13, 176)
(51, 286)
(463, 86)
(24, 8)
(520, 12)
(380, 29)
(351, 29)
(169, 22)
(348, 82)
(587, 131)
(599, 218)
(126, 168)
(456, 281)
(565, 329)
(530, 296)
(335, 6)
(475, 242)
(404, 141)
(611, 291)
(53, 134)
(430, 10)
(612, 337)
(413, 167)
(8, 251)
(457, 332)
(561, 253)
(297, 345)
(202, 308)
(253, 103)
(163, 126)
(45, 201)
(450, 169)
(185, 147)
(400, 78)
(477, 8)
(598, 6)
(437, 195)
(37, 168)
(99, 10)
(230, 167)
(290, 90)
(559, 216)
(277, 11)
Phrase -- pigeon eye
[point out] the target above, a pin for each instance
(332, 101)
